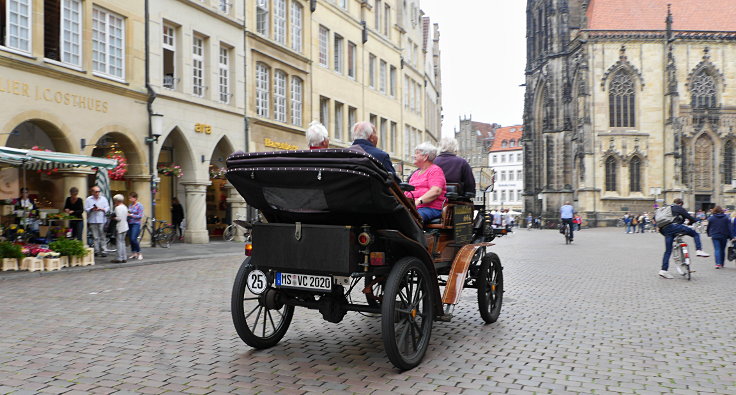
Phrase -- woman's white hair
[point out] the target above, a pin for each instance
(448, 144)
(427, 149)
(362, 130)
(316, 134)
(118, 198)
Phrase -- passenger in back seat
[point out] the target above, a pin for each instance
(456, 169)
(429, 183)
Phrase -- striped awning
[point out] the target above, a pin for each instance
(44, 160)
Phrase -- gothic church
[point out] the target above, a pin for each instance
(629, 103)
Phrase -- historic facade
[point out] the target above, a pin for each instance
(474, 139)
(627, 103)
(506, 158)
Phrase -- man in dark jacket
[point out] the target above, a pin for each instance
(673, 229)
(364, 134)
(457, 169)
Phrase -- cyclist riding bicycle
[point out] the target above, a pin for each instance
(566, 215)
(669, 231)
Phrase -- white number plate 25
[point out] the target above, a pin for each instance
(304, 281)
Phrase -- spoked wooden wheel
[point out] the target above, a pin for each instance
(374, 290)
(490, 288)
(259, 319)
(407, 313)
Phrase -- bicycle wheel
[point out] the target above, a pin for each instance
(567, 234)
(165, 236)
(229, 233)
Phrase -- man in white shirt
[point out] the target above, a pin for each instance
(566, 214)
(97, 207)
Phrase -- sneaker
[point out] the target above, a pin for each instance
(702, 253)
(140, 257)
(665, 274)
(133, 256)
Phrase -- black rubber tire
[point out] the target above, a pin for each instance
(490, 288)
(165, 237)
(240, 295)
(395, 312)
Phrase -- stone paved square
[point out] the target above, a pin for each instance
(592, 317)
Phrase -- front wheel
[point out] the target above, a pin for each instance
(257, 325)
(407, 313)
(229, 233)
(490, 288)
(165, 237)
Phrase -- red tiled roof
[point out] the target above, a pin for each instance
(507, 134)
(697, 15)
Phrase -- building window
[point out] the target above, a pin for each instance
(495, 196)
(324, 111)
(703, 91)
(343, 4)
(224, 75)
(518, 195)
(377, 14)
(621, 101)
(511, 175)
(339, 120)
(519, 175)
(635, 174)
(279, 21)
(15, 24)
(279, 96)
(494, 159)
(518, 157)
(198, 66)
(63, 31)
(324, 47)
(610, 174)
(392, 81)
(550, 163)
(262, 17)
(503, 175)
(352, 117)
(383, 133)
(382, 76)
(504, 144)
(728, 162)
(393, 146)
(406, 92)
(503, 196)
(108, 43)
(386, 20)
(224, 6)
(352, 56)
(371, 70)
(262, 90)
(704, 163)
(169, 56)
(338, 53)
(296, 101)
(296, 26)
(503, 158)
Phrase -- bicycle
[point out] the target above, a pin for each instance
(161, 232)
(566, 232)
(681, 256)
(232, 230)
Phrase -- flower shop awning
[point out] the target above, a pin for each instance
(45, 160)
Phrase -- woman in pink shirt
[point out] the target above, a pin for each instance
(429, 183)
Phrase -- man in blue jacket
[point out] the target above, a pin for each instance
(364, 134)
(669, 232)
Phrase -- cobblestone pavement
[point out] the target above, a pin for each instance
(592, 317)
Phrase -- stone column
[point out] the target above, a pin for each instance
(141, 185)
(238, 207)
(77, 178)
(195, 207)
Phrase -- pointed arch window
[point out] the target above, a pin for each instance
(611, 169)
(728, 162)
(622, 101)
(635, 174)
(704, 91)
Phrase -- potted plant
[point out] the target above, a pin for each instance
(71, 249)
(11, 254)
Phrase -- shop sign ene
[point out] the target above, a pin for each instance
(275, 144)
(20, 88)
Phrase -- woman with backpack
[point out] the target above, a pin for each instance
(720, 231)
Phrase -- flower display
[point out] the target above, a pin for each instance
(35, 250)
(170, 169)
(217, 172)
(119, 171)
(48, 172)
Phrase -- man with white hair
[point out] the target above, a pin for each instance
(457, 169)
(364, 135)
(317, 136)
(121, 228)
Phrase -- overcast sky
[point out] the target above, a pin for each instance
(483, 48)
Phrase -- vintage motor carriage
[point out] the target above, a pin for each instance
(334, 220)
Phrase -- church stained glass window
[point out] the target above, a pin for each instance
(635, 174)
(703, 91)
(611, 173)
(622, 101)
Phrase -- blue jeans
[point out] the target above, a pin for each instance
(568, 221)
(719, 245)
(429, 214)
(133, 231)
(669, 233)
(628, 228)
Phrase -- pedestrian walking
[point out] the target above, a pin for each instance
(642, 223)
(97, 207)
(720, 231)
(135, 214)
(177, 216)
(121, 228)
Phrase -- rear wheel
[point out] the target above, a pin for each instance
(490, 288)
(258, 323)
(407, 313)
(165, 237)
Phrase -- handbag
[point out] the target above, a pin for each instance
(731, 255)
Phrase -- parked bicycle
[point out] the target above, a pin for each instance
(232, 230)
(681, 256)
(162, 233)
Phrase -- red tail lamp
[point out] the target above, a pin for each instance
(248, 249)
(364, 239)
